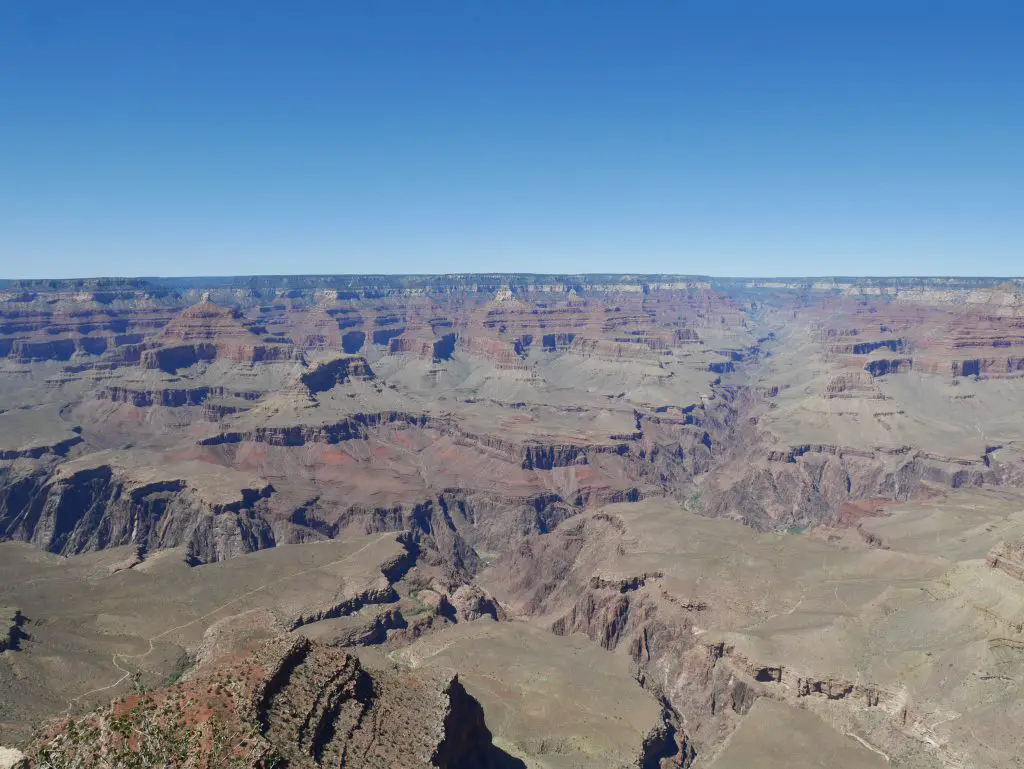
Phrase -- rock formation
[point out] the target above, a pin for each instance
(720, 483)
(291, 702)
(1008, 557)
(12, 758)
(90, 504)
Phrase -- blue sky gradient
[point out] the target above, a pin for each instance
(713, 137)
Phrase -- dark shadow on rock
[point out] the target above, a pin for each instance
(496, 758)
(467, 743)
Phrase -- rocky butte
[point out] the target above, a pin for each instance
(512, 521)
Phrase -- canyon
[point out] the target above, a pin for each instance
(513, 520)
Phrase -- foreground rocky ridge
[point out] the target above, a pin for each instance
(320, 603)
(291, 703)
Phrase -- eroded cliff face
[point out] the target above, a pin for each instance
(840, 419)
(77, 510)
(293, 703)
(543, 398)
(671, 624)
(809, 484)
(1008, 557)
(553, 578)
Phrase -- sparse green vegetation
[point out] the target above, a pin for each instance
(181, 666)
(137, 741)
(420, 608)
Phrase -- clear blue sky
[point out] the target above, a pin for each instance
(720, 137)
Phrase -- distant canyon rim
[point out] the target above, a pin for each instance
(504, 520)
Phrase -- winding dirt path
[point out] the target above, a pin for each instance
(226, 604)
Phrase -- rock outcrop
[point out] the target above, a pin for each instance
(1008, 557)
(12, 758)
(292, 702)
(470, 603)
(206, 332)
(326, 375)
(90, 505)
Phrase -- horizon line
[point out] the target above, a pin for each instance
(505, 274)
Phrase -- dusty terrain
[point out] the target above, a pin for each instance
(622, 520)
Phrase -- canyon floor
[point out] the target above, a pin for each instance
(512, 521)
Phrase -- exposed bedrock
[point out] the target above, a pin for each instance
(981, 366)
(352, 427)
(352, 341)
(807, 484)
(182, 397)
(324, 376)
(470, 603)
(604, 617)
(320, 707)
(540, 457)
(531, 454)
(632, 613)
(884, 366)
(178, 356)
(211, 537)
(97, 507)
(707, 686)
(604, 349)
(169, 397)
(446, 530)
(55, 349)
(1009, 557)
(375, 595)
(421, 346)
(752, 479)
(851, 384)
(88, 330)
(291, 703)
(866, 347)
(88, 504)
(503, 354)
(12, 758)
(62, 339)
(377, 630)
